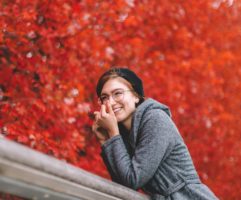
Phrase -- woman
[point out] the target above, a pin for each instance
(141, 146)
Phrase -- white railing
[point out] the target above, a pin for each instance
(33, 175)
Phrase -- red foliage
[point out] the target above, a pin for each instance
(187, 53)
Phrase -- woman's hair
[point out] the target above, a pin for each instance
(127, 74)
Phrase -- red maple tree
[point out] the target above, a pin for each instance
(186, 52)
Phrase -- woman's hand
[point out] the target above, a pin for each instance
(106, 119)
(101, 133)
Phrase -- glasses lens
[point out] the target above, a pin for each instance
(118, 95)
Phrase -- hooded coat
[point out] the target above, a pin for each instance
(154, 157)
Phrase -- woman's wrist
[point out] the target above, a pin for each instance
(114, 132)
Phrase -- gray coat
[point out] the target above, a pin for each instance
(154, 157)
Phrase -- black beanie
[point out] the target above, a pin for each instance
(125, 73)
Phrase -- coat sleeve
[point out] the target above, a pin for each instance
(154, 138)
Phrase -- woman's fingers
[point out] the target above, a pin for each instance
(103, 112)
(109, 108)
(106, 118)
(94, 127)
(99, 135)
(97, 115)
(99, 132)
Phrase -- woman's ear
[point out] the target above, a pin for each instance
(137, 101)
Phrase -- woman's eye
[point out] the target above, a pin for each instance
(104, 98)
(118, 93)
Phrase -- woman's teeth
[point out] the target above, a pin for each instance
(116, 110)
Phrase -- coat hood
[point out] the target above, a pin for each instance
(150, 104)
(147, 105)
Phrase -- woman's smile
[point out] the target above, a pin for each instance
(116, 110)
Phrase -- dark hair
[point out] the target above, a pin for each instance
(127, 74)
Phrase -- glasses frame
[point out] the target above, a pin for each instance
(112, 96)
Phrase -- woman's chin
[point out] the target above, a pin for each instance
(118, 115)
(119, 118)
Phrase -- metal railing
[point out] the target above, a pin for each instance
(33, 175)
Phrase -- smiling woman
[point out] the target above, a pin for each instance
(141, 146)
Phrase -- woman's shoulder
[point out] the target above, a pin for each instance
(156, 117)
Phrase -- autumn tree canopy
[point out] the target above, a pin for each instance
(186, 52)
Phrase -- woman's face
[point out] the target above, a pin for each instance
(125, 106)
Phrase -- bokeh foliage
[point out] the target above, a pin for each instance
(186, 52)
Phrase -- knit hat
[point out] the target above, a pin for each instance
(125, 73)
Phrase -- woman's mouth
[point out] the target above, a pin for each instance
(115, 110)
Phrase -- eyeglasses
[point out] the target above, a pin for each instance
(117, 96)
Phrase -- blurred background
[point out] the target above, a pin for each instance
(188, 54)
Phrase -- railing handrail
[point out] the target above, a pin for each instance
(21, 164)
